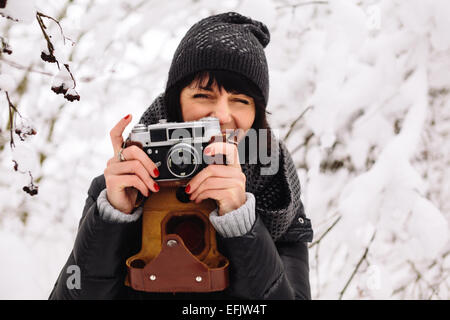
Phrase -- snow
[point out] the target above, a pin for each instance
(7, 82)
(21, 10)
(63, 78)
(371, 148)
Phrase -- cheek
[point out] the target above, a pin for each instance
(244, 118)
(191, 111)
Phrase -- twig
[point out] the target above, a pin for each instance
(50, 47)
(364, 256)
(436, 261)
(317, 270)
(325, 233)
(294, 6)
(11, 119)
(295, 122)
(40, 14)
(303, 143)
(71, 75)
(419, 277)
(20, 67)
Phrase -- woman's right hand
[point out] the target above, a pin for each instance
(124, 179)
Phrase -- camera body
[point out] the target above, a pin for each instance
(176, 148)
(179, 251)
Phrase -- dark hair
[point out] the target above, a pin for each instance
(232, 82)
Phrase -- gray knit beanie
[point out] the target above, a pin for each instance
(227, 41)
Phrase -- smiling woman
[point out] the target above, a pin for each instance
(234, 110)
(200, 94)
(219, 70)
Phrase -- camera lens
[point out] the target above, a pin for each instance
(182, 160)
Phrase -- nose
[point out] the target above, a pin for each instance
(221, 110)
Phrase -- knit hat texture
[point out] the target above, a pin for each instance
(227, 41)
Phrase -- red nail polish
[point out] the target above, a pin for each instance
(156, 172)
(126, 117)
(156, 187)
(188, 188)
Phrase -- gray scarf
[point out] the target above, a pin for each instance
(277, 196)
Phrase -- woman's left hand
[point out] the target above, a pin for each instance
(223, 183)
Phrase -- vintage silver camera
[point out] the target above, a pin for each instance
(177, 147)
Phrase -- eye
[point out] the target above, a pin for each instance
(201, 96)
(243, 101)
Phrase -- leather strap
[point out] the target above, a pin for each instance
(175, 269)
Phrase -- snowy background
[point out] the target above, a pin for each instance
(359, 91)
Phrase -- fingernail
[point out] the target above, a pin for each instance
(208, 150)
(187, 189)
(156, 187)
(156, 172)
(126, 117)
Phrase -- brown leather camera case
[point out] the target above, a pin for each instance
(179, 250)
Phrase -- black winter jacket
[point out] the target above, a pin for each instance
(259, 267)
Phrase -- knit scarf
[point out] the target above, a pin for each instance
(277, 195)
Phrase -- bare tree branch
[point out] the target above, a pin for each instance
(294, 6)
(325, 233)
(21, 67)
(11, 108)
(363, 257)
(291, 127)
(40, 14)
(420, 277)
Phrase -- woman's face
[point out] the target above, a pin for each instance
(234, 111)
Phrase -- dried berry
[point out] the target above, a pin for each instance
(59, 89)
(72, 95)
(5, 46)
(24, 132)
(7, 50)
(31, 189)
(49, 57)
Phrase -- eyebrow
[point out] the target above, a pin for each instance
(206, 89)
(209, 89)
(202, 88)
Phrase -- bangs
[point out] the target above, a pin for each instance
(230, 81)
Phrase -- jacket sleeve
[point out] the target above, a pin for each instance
(96, 267)
(263, 269)
(293, 250)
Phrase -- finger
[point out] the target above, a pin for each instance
(123, 181)
(111, 161)
(213, 183)
(117, 131)
(214, 170)
(132, 167)
(228, 149)
(217, 195)
(135, 153)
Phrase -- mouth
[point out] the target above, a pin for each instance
(233, 135)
